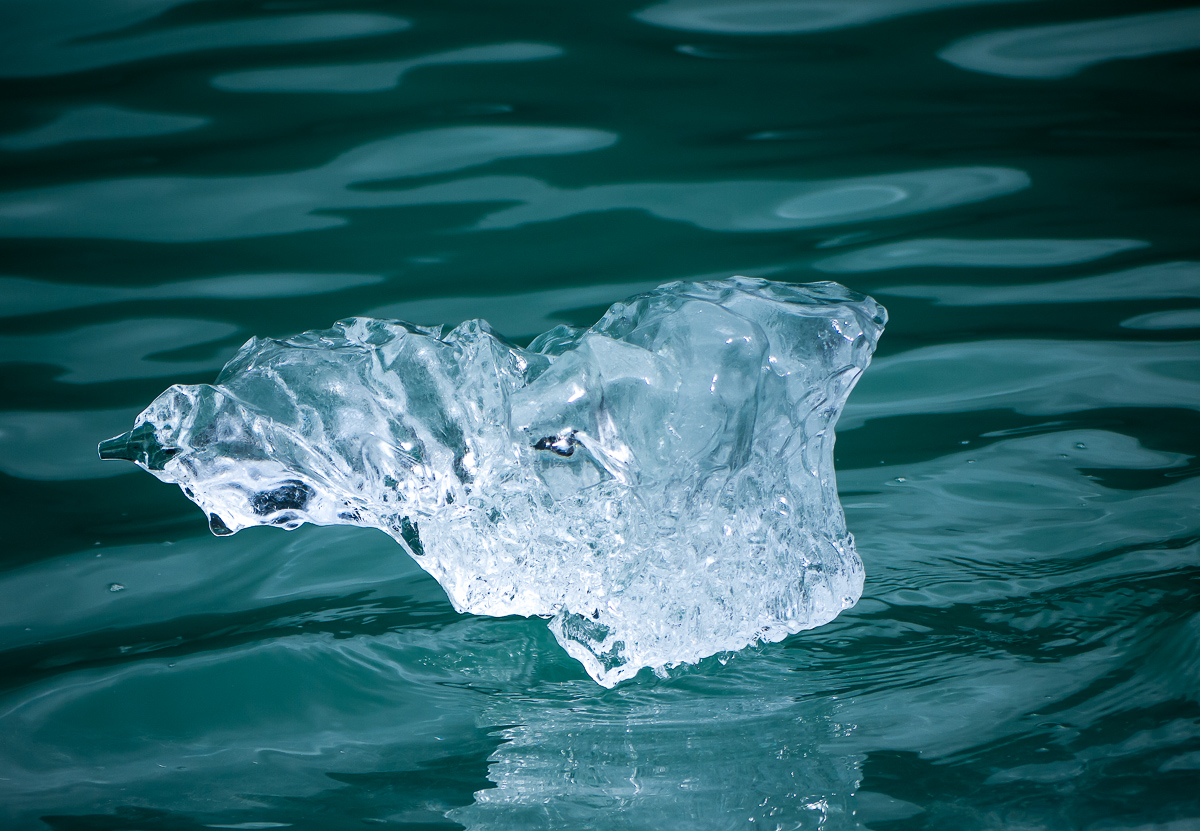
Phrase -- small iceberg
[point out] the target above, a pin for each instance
(660, 486)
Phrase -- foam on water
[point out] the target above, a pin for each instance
(660, 485)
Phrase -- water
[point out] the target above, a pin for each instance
(1018, 465)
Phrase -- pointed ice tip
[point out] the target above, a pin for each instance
(119, 447)
(139, 445)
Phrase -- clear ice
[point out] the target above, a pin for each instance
(660, 486)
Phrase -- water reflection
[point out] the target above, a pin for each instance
(1021, 478)
(53, 37)
(176, 209)
(989, 556)
(1064, 49)
(665, 758)
(1012, 513)
(257, 723)
(534, 312)
(57, 446)
(374, 77)
(121, 350)
(168, 583)
(526, 313)
(1038, 377)
(22, 296)
(785, 17)
(265, 716)
(997, 253)
(1175, 319)
(99, 123)
(319, 673)
(742, 206)
(941, 658)
(1151, 282)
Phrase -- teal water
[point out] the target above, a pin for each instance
(1015, 181)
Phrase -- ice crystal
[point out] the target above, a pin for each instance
(660, 485)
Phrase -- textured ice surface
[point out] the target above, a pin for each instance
(660, 485)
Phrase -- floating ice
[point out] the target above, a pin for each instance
(660, 485)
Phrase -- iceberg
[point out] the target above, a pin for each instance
(660, 485)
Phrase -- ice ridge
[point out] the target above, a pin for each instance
(660, 485)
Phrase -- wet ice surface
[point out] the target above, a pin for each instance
(660, 485)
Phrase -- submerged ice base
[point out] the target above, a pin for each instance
(660, 485)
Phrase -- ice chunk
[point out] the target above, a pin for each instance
(660, 485)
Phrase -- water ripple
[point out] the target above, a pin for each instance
(1175, 319)
(22, 296)
(54, 37)
(786, 17)
(998, 253)
(176, 209)
(1150, 282)
(747, 205)
(374, 77)
(1020, 465)
(120, 350)
(1039, 377)
(99, 123)
(1065, 49)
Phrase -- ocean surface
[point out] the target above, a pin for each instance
(1018, 182)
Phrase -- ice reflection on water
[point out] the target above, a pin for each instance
(665, 758)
